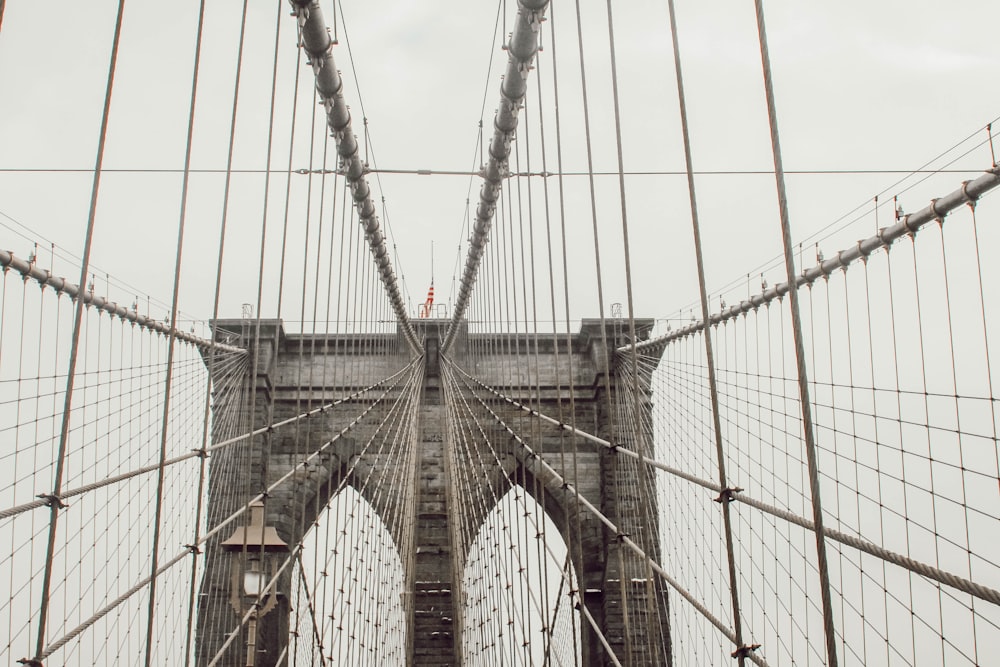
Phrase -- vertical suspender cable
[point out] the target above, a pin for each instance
(171, 340)
(605, 348)
(264, 462)
(800, 353)
(54, 503)
(576, 548)
(652, 607)
(206, 426)
(288, 187)
(318, 44)
(303, 440)
(521, 52)
(713, 386)
(571, 547)
(254, 369)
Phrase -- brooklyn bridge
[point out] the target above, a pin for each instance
(663, 402)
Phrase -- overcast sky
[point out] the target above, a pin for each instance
(861, 86)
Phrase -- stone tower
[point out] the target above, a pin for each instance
(631, 612)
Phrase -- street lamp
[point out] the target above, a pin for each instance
(253, 546)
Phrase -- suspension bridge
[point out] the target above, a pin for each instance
(229, 437)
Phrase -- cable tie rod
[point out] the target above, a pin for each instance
(52, 500)
(728, 495)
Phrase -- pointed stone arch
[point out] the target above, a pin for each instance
(538, 574)
(592, 469)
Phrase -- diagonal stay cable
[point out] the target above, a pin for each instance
(451, 385)
(559, 481)
(180, 556)
(948, 578)
(311, 606)
(107, 481)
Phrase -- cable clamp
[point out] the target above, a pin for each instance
(937, 216)
(193, 549)
(620, 536)
(301, 13)
(970, 199)
(745, 650)
(861, 252)
(201, 453)
(535, 19)
(52, 500)
(729, 494)
(881, 237)
(30, 662)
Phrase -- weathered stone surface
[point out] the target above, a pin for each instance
(303, 370)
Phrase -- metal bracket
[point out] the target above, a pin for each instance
(52, 500)
(728, 495)
(745, 650)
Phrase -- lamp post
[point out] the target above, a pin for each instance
(253, 547)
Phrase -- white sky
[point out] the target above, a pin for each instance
(860, 86)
